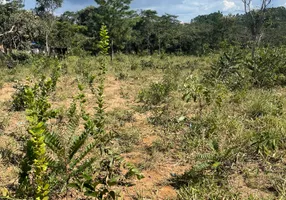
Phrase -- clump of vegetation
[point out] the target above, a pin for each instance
(268, 67)
(58, 159)
(210, 122)
(23, 92)
(158, 92)
(21, 56)
(263, 103)
(155, 94)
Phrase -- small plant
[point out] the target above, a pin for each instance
(217, 161)
(196, 91)
(34, 166)
(155, 94)
(21, 97)
(229, 70)
(266, 143)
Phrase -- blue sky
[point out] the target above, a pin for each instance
(185, 9)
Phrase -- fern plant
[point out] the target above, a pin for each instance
(71, 157)
(213, 164)
(69, 160)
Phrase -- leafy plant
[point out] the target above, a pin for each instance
(34, 166)
(229, 69)
(21, 98)
(268, 67)
(155, 94)
(196, 91)
(217, 161)
(266, 143)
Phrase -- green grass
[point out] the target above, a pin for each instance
(231, 145)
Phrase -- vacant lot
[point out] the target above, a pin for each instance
(191, 134)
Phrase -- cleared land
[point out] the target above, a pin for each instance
(230, 146)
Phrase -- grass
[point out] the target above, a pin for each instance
(181, 144)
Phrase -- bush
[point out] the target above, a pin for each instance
(229, 70)
(21, 56)
(20, 98)
(268, 67)
(147, 64)
(261, 103)
(236, 69)
(155, 94)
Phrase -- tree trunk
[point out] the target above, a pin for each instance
(159, 46)
(47, 44)
(148, 44)
(112, 50)
(253, 48)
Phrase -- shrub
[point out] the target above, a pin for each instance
(20, 98)
(229, 70)
(155, 94)
(20, 56)
(236, 69)
(204, 93)
(147, 64)
(268, 68)
(261, 103)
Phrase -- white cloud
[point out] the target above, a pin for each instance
(228, 4)
(185, 9)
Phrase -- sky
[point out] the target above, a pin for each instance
(184, 9)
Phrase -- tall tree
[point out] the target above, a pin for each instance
(167, 28)
(255, 21)
(146, 30)
(45, 9)
(116, 14)
(8, 25)
(18, 26)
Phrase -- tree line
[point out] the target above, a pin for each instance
(138, 32)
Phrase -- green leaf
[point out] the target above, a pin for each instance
(74, 185)
(216, 165)
(113, 181)
(83, 154)
(77, 144)
(91, 194)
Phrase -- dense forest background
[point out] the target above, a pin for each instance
(140, 32)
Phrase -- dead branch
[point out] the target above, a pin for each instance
(8, 32)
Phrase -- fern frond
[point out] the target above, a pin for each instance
(85, 165)
(87, 150)
(73, 119)
(54, 142)
(77, 144)
(51, 162)
(73, 123)
(201, 166)
(205, 156)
